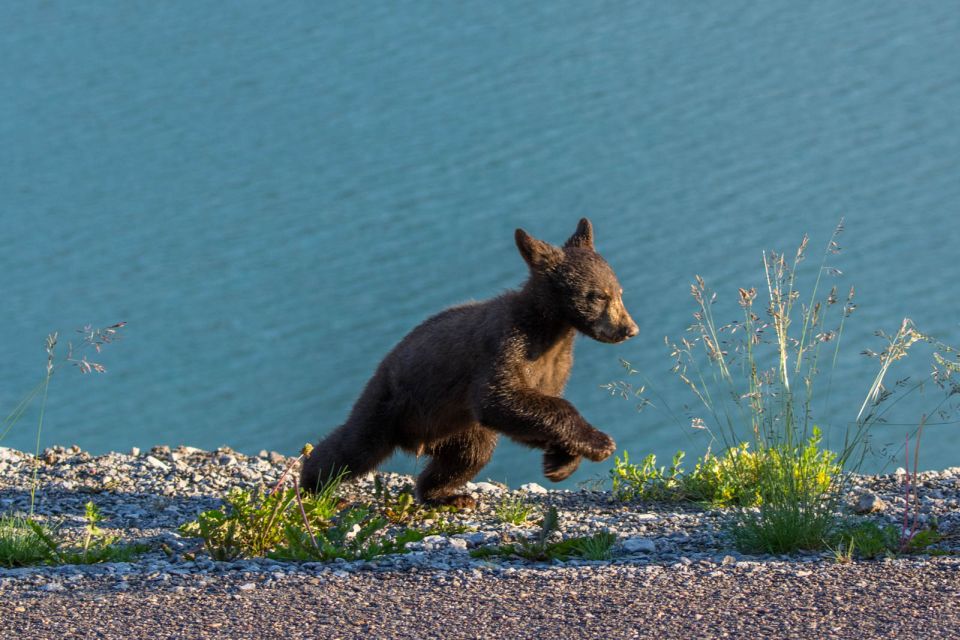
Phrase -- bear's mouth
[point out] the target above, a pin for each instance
(611, 339)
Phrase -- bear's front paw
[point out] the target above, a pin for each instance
(599, 446)
(559, 464)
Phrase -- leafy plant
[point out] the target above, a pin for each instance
(599, 546)
(732, 478)
(288, 525)
(540, 549)
(354, 536)
(253, 523)
(398, 508)
(647, 481)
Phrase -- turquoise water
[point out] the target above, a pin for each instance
(272, 195)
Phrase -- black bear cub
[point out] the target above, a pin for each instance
(484, 368)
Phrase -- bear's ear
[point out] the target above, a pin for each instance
(582, 237)
(537, 253)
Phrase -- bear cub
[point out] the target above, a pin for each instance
(481, 369)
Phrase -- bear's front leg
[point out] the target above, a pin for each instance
(539, 420)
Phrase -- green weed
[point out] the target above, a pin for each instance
(867, 539)
(353, 536)
(731, 479)
(540, 549)
(254, 523)
(514, 510)
(398, 508)
(599, 546)
(285, 524)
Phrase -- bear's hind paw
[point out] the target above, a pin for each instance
(460, 501)
(559, 465)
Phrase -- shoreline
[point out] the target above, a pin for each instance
(680, 577)
(145, 497)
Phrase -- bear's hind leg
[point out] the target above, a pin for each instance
(558, 463)
(455, 461)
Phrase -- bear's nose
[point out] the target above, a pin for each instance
(631, 331)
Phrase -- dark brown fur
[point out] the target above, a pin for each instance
(473, 371)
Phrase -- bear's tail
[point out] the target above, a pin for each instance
(354, 448)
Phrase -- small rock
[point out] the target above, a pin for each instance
(249, 586)
(487, 487)
(156, 464)
(532, 487)
(456, 544)
(53, 587)
(728, 560)
(276, 458)
(479, 537)
(639, 545)
(263, 454)
(134, 451)
(869, 503)
(226, 460)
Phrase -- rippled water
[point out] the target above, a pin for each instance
(272, 196)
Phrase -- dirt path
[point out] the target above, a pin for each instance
(867, 600)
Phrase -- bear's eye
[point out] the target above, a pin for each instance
(597, 296)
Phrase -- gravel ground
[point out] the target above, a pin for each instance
(674, 572)
(893, 599)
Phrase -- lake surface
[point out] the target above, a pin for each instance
(273, 195)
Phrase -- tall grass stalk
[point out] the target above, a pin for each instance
(51, 345)
(741, 382)
(91, 339)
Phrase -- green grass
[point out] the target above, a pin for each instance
(866, 539)
(20, 543)
(25, 542)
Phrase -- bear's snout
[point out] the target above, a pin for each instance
(624, 332)
(617, 326)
